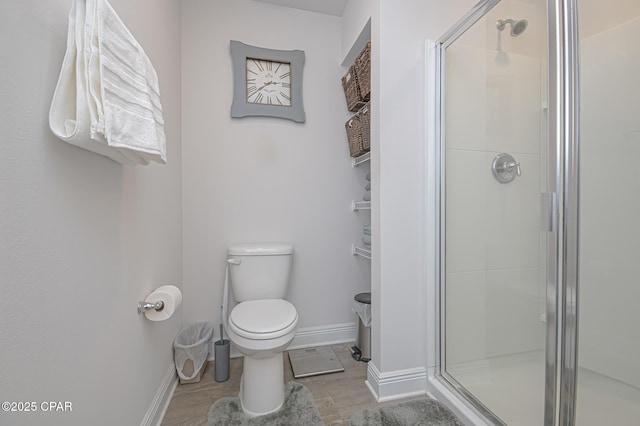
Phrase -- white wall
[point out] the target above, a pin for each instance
(609, 203)
(266, 179)
(82, 237)
(398, 143)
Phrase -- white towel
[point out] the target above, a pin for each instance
(107, 98)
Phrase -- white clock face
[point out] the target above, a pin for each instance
(268, 82)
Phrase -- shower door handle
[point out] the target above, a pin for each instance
(549, 211)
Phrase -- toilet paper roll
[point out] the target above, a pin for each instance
(170, 295)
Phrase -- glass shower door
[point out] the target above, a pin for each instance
(493, 160)
(538, 234)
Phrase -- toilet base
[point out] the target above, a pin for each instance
(262, 385)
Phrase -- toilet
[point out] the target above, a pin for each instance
(263, 324)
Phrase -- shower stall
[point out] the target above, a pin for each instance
(534, 161)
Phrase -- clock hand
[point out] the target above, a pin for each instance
(266, 84)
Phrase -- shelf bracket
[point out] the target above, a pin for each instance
(360, 205)
(355, 162)
(361, 251)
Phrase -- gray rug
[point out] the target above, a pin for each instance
(298, 409)
(423, 412)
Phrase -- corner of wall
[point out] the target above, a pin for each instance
(357, 45)
(356, 21)
(396, 384)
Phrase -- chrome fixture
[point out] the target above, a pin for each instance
(505, 168)
(147, 306)
(517, 27)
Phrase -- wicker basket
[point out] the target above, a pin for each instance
(363, 72)
(352, 90)
(365, 126)
(359, 132)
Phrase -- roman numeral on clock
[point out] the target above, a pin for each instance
(258, 64)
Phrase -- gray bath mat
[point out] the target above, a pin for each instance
(423, 412)
(298, 409)
(314, 361)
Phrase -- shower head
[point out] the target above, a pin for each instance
(517, 27)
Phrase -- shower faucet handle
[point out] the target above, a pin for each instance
(511, 164)
(505, 168)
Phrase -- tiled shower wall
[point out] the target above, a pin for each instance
(492, 229)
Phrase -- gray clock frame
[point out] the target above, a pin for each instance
(240, 107)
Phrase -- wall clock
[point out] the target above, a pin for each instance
(267, 82)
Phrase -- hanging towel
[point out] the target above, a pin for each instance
(107, 99)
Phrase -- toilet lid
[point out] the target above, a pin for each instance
(263, 319)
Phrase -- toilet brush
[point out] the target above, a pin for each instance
(221, 353)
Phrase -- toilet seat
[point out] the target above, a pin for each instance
(263, 319)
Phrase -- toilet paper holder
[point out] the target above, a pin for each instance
(147, 306)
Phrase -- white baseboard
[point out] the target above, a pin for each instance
(312, 336)
(324, 335)
(160, 402)
(396, 384)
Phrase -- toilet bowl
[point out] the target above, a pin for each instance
(261, 327)
(261, 330)
(263, 324)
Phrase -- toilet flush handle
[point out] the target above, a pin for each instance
(233, 261)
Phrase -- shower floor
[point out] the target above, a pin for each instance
(513, 388)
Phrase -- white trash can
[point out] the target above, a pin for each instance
(191, 350)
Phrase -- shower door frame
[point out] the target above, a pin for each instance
(564, 133)
(439, 66)
(559, 210)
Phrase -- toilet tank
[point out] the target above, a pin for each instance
(259, 271)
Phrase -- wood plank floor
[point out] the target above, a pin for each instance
(337, 395)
